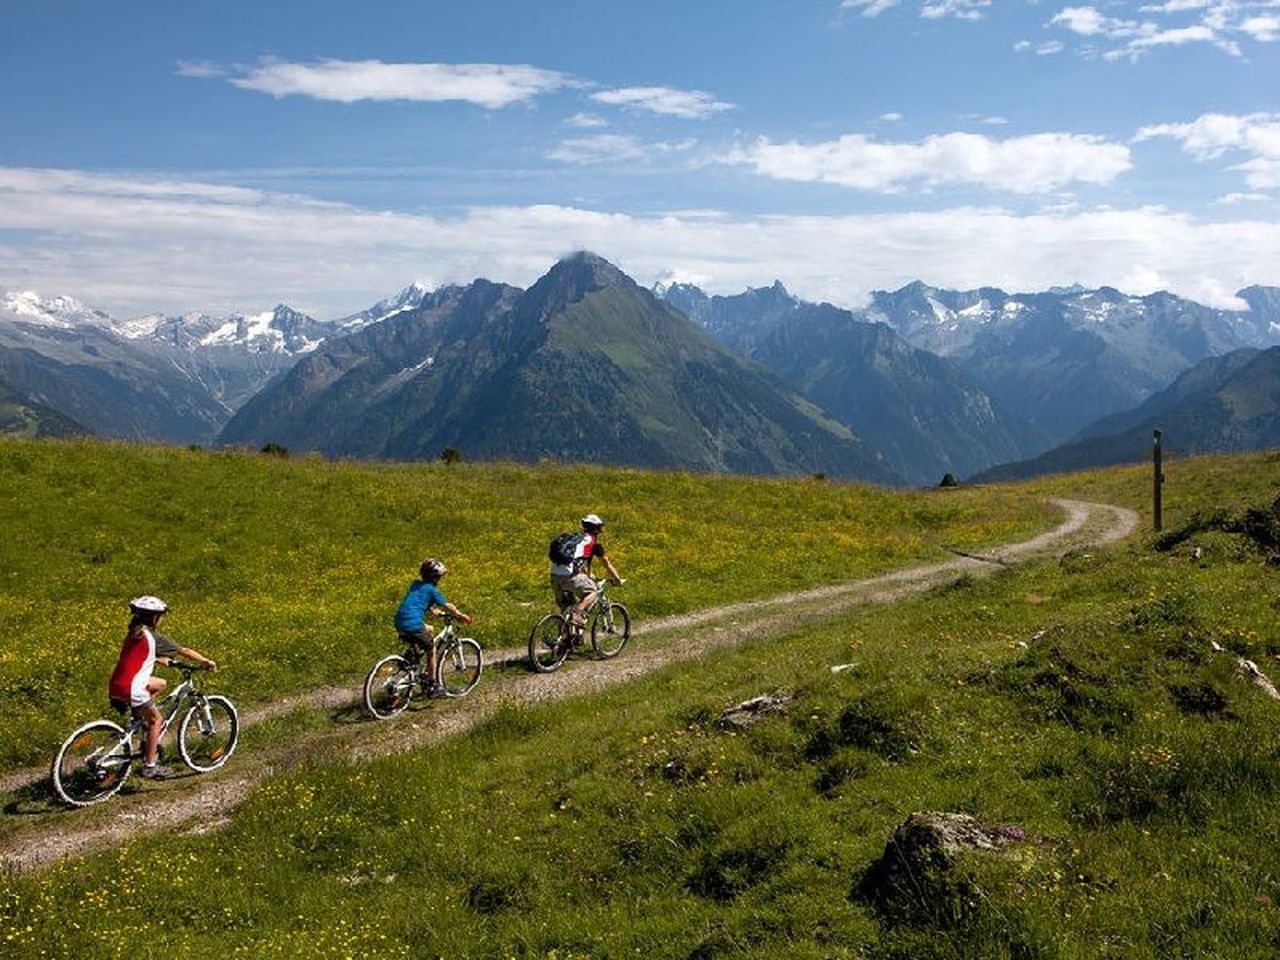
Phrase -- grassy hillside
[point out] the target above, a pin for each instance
(288, 571)
(1076, 699)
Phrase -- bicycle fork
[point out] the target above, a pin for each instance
(205, 717)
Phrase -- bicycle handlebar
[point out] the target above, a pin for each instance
(186, 667)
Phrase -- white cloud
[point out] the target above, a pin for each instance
(602, 148)
(1022, 46)
(1174, 38)
(613, 147)
(891, 117)
(1219, 23)
(869, 8)
(686, 104)
(1089, 22)
(1234, 199)
(1177, 6)
(131, 246)
(955, 9)
(1213, 135)
(1050, 47)
(1263, 29)
(200, 70)
(586, 121)
(1037, 163)
(491, 85)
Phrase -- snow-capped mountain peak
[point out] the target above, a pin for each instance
(410, 298)
(62, 311)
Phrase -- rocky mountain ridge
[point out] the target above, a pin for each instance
(585, 365)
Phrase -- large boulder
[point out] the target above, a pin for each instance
(916, 879)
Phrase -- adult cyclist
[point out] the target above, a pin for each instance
(571, 581)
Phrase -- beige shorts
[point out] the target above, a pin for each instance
(572, 588)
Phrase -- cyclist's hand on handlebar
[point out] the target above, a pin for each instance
(209, 665)
(465, 617)
(617, 581)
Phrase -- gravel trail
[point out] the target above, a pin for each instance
(39, 832)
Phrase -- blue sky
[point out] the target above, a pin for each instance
(230, 155)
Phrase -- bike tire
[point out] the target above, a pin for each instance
(208, 733)
(549, 644)
(458, 666)
(610, 630)
(389, 687)
(92, 764)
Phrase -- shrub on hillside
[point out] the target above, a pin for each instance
(886, 723)
(1259, 526)
(1071, 678)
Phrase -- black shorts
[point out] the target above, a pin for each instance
(417, 638)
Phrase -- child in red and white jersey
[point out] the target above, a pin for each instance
(132, 686)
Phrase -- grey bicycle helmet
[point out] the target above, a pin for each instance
(147, 604)
(432, 568)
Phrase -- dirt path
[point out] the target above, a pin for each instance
(45, 832)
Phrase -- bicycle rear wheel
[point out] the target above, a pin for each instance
(549, 643)
(92, 764)
(389, 687)
(208, 733)
(610, 630)
(458, 666)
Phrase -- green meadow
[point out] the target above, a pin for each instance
(1078, 699)
(287, 572)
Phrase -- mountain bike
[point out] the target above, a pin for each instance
(390, 685)
(95, 761)
(555, 636)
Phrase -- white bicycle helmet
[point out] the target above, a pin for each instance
(432, 567)
(592, 520)
(148, 604)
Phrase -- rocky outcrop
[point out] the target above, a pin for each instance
(916, 878)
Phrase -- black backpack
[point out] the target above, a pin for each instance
(562, 549)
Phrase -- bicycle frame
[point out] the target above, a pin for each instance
(176, 699)
(446, 635)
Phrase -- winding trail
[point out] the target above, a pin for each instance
(45, 832)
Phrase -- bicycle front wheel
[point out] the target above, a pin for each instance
(389, 687)
(610, 630)
(208, 733)
(549, 643)
(458, 666)
(92, 764)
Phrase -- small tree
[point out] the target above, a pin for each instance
(948, 480)
(274, 449)
(451, 455)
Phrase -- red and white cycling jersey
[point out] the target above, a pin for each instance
(589, 546)
(137, 660)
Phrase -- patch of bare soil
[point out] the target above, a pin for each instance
(45, 832)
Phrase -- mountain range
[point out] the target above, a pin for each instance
(1065, 359)
(587, 365)
(1221, 404)
(172, 378)
(924, 412)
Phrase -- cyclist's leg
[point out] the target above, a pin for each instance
(150, 715)
(584, 588)
(429, 645)
(423, 644)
